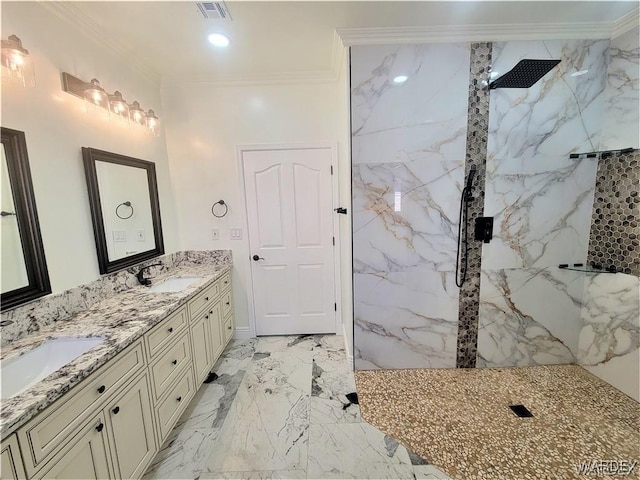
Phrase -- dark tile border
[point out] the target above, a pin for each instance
(476, 155)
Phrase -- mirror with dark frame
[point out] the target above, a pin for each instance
(24, 269)
(123, 196)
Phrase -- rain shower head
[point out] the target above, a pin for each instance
(524, 74)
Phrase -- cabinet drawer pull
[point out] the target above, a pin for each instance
(229, 327)
(206, 299)
(227, 303)
(179, 399)
(170, 329)
(101, 389)
(100, 427)
(210, 312)
(116, 410)
(207, 317)
(175, 362)
(226, 281)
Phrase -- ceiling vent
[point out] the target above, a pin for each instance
(214, 10)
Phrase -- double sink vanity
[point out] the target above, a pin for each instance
(96, 395)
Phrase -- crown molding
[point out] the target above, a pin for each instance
(74, 16)
(475, 33)
(626, 23)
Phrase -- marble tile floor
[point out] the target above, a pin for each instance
(278, 411)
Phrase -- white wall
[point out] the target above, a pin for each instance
(205, 123)
(56, 127)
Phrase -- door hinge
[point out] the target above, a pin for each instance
(331, 169)
(335, 307)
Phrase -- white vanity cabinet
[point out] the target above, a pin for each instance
(129, 422)
(112, 424)
(85, 456)
(117, 442)
(226, 302)
(50, 431)
(11, 466)
(206, 324)
(171, 367)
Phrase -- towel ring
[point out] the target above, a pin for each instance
(219, 202)
(126, 204)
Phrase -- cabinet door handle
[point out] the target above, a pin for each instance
(210, 312)
(175, 362)
(101, 389)
(206, 299)
(207, 317)
(179, 399)
(170, 329)
(116, 410)
(100, 427)
(227, 303)
(229, 327)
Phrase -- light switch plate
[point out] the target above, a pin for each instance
(119, 235)
(236, 234)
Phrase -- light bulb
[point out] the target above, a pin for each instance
(219, 40)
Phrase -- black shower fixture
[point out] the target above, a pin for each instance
(526, 73)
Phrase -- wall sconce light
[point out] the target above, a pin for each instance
(17, 64)
(95, 97)
(118, 107)
(136, 114)
(113, 104)
(153, 123)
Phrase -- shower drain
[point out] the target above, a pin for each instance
(521, 411)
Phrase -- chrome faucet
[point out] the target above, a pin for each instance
(140, 274)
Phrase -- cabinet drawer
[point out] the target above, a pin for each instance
(225, 282)
(226, 302)
(43, 435)
(202, 300)
(170, 409)
(165, 333)
(165, 370)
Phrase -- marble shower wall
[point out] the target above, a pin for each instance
(408, 153)
(541, 202)
(621, 126)
(609, 341)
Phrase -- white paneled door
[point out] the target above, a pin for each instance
(289, 213)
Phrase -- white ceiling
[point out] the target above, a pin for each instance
(281, 39)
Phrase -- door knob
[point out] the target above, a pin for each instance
(256, 258)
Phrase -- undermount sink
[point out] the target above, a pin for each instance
(21, 372)
(173, 284)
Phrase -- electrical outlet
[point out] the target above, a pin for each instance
(236, 234)
(215, 234)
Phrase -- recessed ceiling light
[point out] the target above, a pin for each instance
(400, 79)
(219, 40)
(578, 73)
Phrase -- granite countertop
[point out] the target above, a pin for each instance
(121, 320)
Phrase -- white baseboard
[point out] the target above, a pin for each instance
(347, 347)
(242, 333)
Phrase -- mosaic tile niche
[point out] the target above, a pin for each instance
(613, 239)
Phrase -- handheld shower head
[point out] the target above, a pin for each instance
(472, 173)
